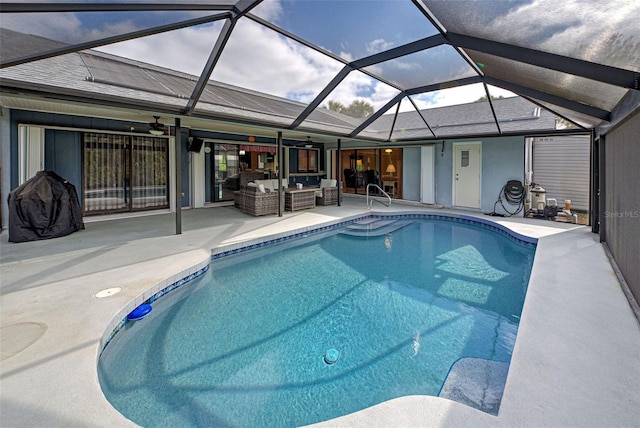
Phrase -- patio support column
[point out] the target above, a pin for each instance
(177, 139)
(339, 172)
(280, 172)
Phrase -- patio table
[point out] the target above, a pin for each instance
(299, 199)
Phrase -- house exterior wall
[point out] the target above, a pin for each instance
(63, 148)
(621, 207)
(502, 160)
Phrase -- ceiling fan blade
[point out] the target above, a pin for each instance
(156, 124)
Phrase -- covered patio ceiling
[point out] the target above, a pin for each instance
(348, 69)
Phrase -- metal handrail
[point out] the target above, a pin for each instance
(370, 204)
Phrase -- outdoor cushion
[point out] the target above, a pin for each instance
(268, 184)
(325, 182)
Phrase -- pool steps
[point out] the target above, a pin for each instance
(476, 382)
(374, 227)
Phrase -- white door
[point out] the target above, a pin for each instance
(466, 175)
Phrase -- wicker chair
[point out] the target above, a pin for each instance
(252, 201)
(328, 192)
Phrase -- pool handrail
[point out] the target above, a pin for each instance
(370, 204)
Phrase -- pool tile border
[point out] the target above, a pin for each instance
(122, 316)
(221, 252)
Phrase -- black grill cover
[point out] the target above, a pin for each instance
(44, 207)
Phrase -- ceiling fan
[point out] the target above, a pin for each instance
(157, 128)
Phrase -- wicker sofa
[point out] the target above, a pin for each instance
(328, 193)
(259, 197)
(251, 200)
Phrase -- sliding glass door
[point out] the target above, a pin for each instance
(124, 173)
(226, 171)
(380, 167)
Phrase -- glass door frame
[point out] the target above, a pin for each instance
(363, 166)
(118, 169)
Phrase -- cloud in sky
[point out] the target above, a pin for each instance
(185, 50)
(55, 26)
(260, 59)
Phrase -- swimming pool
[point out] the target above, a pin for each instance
(245, 345)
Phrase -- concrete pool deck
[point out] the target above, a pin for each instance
(576, 361)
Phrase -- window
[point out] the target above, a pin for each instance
(307, 160)
(464, 158)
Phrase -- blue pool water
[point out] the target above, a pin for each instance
(245, 344)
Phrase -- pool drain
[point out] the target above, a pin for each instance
(331, 356)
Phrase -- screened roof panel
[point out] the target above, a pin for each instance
(451, 96)
(186, 49)
(267, 77)
(318, 122)
(580, 119)
(380, 129)
(14, 45)
(107, 70)
(260, 59)
(323, 115)
(356, 98)
(242, 114)
(516, 113)
(471, 119)
(580, 89)
(453, 111)
(67, 74)
(458, 119)
(349, 29)
(239, 98)
(440, 64)
(374, 131)
(172, 56)
(410, 124)
(83, 27)
(601, 32)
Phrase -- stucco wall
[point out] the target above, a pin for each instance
(502, 160)
(621, 208)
